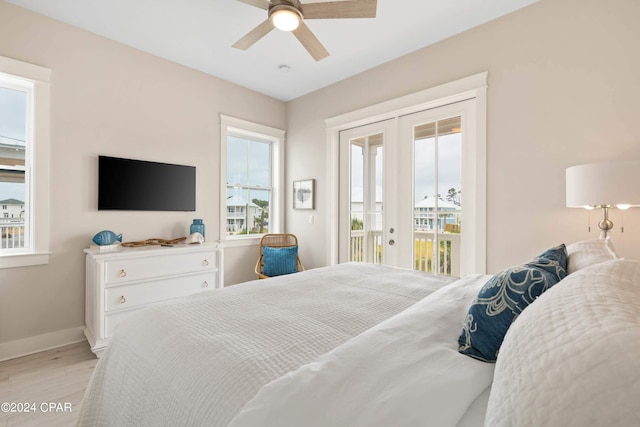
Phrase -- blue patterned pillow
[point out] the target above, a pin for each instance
(279, 261)
(503, 298)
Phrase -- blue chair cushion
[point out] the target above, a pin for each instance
(503, 298)
(279, 261)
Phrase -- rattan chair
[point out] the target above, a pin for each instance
(276, 241)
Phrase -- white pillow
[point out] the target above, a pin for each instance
(572, 357)
(589, 252)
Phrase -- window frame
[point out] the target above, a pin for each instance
(36, 251)
(276, 138)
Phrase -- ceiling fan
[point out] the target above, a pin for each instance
(289, 15)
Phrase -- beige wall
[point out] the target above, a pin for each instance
(114, 100)
(563, 90)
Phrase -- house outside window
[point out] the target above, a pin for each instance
(24, 164)
(251, 176)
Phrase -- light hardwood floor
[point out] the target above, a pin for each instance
(58, 376)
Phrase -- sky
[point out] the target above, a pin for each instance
(449, 166)
(12, 130)
(248, 163)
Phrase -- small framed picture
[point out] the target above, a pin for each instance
(303, 194)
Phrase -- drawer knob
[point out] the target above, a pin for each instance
(205, 263)
(122, 273)
(123, 300)
(205, 284)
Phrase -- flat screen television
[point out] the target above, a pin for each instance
(137, 185)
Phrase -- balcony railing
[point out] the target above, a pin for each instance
(370, 249)
(12, 235)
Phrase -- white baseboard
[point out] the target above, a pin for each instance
(38, 343)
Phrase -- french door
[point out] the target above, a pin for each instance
(404, 199)
(364, 160)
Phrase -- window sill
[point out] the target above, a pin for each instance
(242, 241)
(24, 260)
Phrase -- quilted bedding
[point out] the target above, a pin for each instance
(573, 357)
(404, 372)
(196, 361)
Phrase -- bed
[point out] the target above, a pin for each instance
(365, 345)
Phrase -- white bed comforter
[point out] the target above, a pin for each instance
(403, 372)
(196, 361)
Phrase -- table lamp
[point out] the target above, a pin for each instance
(604, 185)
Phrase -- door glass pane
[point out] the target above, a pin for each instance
(13, 195)
(450, 190)
(377, 207)
(425, 199)
(356, 235)
(366, 195)
(437, 196)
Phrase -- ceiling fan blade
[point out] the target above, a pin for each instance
(340, 9)
(262, 4)
(254, 35)
(310, 42)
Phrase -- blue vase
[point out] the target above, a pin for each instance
(197, 227)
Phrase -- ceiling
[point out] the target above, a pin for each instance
(199, 34)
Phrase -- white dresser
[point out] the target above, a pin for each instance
(120, 283)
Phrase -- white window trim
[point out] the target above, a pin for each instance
(472, 87)
(277, 139)
(38, 191)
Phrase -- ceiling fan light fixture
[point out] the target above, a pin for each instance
(290, 16)
(285, 19)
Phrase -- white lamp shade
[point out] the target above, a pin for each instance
(598, 184)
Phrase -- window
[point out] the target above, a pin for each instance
(24, 164)
(251, 176)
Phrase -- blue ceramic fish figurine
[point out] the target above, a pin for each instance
(106, 237)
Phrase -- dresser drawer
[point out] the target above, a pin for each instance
(132, 269)
(129, 296)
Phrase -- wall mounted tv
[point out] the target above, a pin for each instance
(137, 185)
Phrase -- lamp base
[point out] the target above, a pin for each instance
(605, 223)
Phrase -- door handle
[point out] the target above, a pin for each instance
(392, 242)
